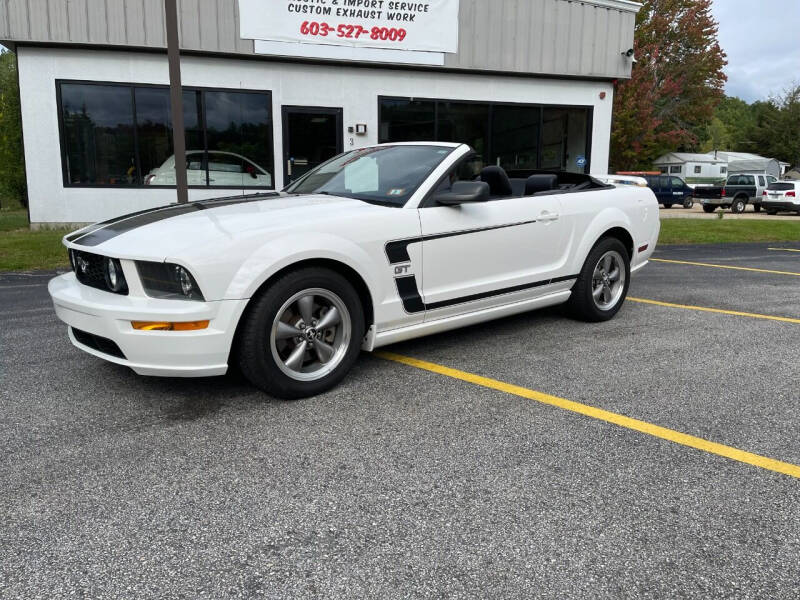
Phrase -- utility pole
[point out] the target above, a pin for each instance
(176, 100)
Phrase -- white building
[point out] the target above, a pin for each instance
(527, 83)
(707, 168)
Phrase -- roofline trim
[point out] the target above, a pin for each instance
(319, 61)
(623, 5)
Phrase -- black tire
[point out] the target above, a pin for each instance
(772, 213)
(738, 205)
(255, 344)
(688, 203)
(756, 208)
(667, 205)
(582, 304)
(709, 208)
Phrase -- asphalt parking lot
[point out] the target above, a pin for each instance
(405, 482)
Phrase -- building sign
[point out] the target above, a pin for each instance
(426, 25)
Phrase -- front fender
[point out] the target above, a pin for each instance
(282, 252)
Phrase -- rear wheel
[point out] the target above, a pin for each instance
(757, 207)
(667, 205)
(709, 208)
(773, 212)
(302, 334)
(738, 205)
(602, 285)
(688, 203)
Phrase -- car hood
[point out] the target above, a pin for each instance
(180, 230)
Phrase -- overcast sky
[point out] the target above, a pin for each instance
(762, 40)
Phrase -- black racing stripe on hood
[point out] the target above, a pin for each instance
(86, 231)
(111, 229)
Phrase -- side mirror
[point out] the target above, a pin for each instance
(464, 192)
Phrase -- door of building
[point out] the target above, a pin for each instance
(311, 135)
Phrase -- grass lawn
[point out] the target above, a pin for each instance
(22, 249)
(706, 231)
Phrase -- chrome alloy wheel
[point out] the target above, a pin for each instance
(608, 280)
(311, 334)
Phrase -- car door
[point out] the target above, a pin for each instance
(679, 189)
(490, 253)
(225, 170)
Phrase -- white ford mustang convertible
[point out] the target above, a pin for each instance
(376, 246)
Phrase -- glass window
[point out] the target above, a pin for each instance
(676, 182)
(154, 134)
(387, 176)
(515, 137)
(664, 182)
(723, 170)
(675, 169)
(564, 139)
(698, 169)
(407, 120)
(98, 142)
(465, 123)
(664, 169)
(518, 140)
(121, 134)
(761, 181)
(238, 129)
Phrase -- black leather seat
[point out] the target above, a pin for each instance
(541, 182)
(499, 184)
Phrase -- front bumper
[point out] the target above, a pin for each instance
(778, 205)
(159, 353)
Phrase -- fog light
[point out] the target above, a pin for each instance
(169, 326)
(115, 279)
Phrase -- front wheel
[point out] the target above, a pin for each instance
(602, 285)
(667, 205)
(301, 335)
(688, 203)
(772, 213)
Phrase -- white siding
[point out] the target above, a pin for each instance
(564, 37)
(290, 84)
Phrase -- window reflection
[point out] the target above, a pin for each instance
(119, 134)
(98, 134)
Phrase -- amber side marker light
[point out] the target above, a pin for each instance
(167, 326)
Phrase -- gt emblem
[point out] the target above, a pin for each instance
(402, 270)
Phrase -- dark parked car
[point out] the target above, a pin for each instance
(670, 190)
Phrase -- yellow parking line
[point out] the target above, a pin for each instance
(699, 264)
(663, 433)
(719, 311)
(784, 249)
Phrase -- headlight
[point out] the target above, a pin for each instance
(115, 278)
(166, 280)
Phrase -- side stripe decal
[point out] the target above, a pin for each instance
(397, 251)
(413, 302)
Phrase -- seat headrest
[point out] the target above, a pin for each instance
(541, 182)
(499, 184)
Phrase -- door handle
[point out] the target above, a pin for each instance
(548, 216)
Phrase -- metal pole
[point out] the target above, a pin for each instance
(176, 100)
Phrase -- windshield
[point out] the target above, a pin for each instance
(387, 175)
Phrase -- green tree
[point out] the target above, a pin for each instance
(12, 162)
(668, 104)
